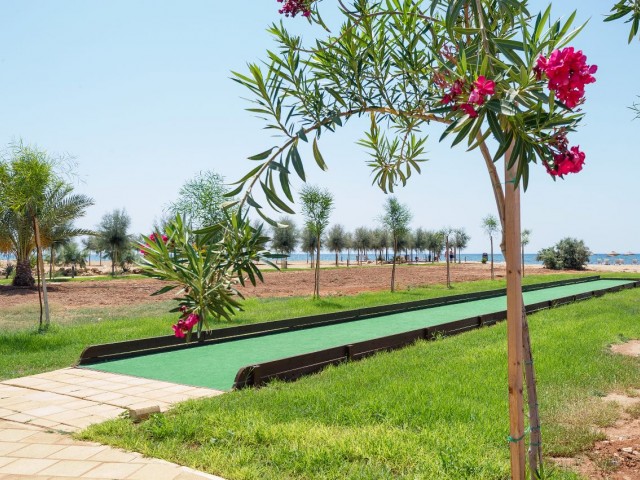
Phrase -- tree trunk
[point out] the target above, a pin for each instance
(348, 256)
(393, 268)
(535, 444)
(336, 258)
(41, 272)
(316, 292)
(24, 274)
(514, 321)
(447, 259)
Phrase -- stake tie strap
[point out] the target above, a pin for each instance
(518, 439)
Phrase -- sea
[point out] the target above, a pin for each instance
(529, 258)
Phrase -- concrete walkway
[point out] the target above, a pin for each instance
(38, 412)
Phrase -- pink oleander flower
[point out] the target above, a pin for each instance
(191, 321)
(292, 7)
(568, 73)
(565, 160)
(177, 330)
(482, 88)
(469, 110)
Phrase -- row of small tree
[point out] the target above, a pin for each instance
(423, 243)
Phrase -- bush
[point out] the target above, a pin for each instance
(568, 254)
(9, 270)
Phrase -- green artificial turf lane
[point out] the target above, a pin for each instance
(215, 366)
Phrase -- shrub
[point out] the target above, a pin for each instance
(9, 270)
(568, 254)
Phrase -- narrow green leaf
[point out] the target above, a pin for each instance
(318, 156)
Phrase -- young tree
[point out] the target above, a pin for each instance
(421, 240)
(348, 242)
(435, 244)
(491, 227)
(200, 200)
(308, 244)
(525, 239)
(460, 241)
(284, 239)
(317, 204)
(114, 237)
(446, 234)
(72, 255)
(362, 240)
(336, 240)
(482, 68)
(395, 219)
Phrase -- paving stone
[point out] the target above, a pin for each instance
(36, 450)
(14, 435)
(113, 470)
(75, 452)
(70, 468)
(156, 472)
(8, 447)
(26, 466)
(114, 455)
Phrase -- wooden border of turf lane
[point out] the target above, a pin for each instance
(292, 368)
(132, 348)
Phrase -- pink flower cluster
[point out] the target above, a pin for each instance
(186, 323)
(153, 237)
(480, 90)
(568, 73)
(565, 159)
(292, 7)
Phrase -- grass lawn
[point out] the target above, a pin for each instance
(437, 410)
(28, 352)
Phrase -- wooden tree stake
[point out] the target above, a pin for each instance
(514, 320)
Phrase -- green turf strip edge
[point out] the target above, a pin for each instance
(215, 366)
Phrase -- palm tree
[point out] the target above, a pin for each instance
(114, 237)
(490, 227)
(420, 240)
(34, 202)
(362, 242)
(72, 255)
(284, 238)
(525, 238)
(435, 244)
(336, 240)
(460, 240)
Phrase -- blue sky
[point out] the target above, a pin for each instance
(140, 94)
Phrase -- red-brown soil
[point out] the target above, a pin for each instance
(340, 281)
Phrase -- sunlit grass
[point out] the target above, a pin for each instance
(434, 410)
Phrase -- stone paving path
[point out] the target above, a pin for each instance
(37, 413)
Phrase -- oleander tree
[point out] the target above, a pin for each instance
(491, 72)
(629, 11)
(206, 267)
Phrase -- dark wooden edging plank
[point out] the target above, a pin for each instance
(131, 348)
(291, 368)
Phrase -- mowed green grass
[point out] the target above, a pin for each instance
(25, 351)
(437, 410)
